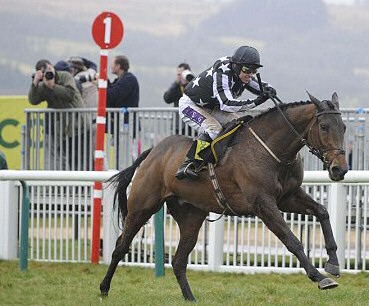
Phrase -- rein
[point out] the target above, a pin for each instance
(320, 153)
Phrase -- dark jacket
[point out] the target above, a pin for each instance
(173, 94)
(123, 92)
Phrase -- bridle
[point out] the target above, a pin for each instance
(319, 152)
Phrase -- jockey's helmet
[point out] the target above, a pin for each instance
(248, 56)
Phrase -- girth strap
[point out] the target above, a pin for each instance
(219, 195)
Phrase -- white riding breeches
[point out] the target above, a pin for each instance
(204, 119)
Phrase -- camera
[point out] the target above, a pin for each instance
(187, 75)
(87, 78)
(49, 75)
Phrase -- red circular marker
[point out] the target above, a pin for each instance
(107, 30)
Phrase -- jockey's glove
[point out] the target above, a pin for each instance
(270, 91)
(261, 99)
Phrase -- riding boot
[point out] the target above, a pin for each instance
(194, 158)
(188, 170)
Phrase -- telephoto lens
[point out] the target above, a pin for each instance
(87, 78)
(187, 75)
(49, 75)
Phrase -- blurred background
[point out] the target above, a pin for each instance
(315, 45)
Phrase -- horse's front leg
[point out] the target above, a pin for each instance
(300, 202)
(272, 217)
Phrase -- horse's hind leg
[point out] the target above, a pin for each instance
(189, 219)
(271, 216)
(132, 225)
(302, 203)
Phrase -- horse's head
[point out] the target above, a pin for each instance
(326, 136)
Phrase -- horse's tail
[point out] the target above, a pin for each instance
(122, 180)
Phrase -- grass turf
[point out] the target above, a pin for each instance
(78, 284)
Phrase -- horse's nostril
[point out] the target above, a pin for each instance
(338, 171)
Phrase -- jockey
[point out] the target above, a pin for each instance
(211, 99)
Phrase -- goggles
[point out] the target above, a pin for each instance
(248, 70)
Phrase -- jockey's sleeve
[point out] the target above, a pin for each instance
(253, 86)
(223, 93)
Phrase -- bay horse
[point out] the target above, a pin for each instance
(260, 176)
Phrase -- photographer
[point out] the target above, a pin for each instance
(59, 90)
(87, 79)
(175, 91)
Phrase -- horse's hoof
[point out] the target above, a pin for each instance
(332, 269)
(327, 283)
(103, 295)
(191, 299)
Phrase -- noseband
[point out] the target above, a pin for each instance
(321, 153)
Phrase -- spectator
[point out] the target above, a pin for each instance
(87, 80)
(122, 93)
(59, 90)
(3, 163)
(63, 66)
(66, 66)
(175, 91)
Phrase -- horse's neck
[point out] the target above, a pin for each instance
(279, 137)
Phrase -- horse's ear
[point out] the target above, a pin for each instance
(335, 101)
(314, 100)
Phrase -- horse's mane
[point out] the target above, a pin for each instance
(272, 110)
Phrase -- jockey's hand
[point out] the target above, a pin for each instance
(270, 91)
(261, 99)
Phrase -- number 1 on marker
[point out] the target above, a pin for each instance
(107, 22)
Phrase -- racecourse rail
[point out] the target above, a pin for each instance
(146, 127)
(60, 216)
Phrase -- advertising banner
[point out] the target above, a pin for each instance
(12, 117)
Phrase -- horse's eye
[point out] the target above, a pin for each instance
(324, 127)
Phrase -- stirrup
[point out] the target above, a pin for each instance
(187, 170)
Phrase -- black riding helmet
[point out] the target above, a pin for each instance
(247, 56)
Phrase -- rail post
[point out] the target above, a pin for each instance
(159, 242)
(8, 220)
(110, 221)
(337, 210)
(23, 254)
(216, 234)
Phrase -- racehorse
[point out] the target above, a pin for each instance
(260, 176)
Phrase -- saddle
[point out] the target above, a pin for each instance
(227, 138)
